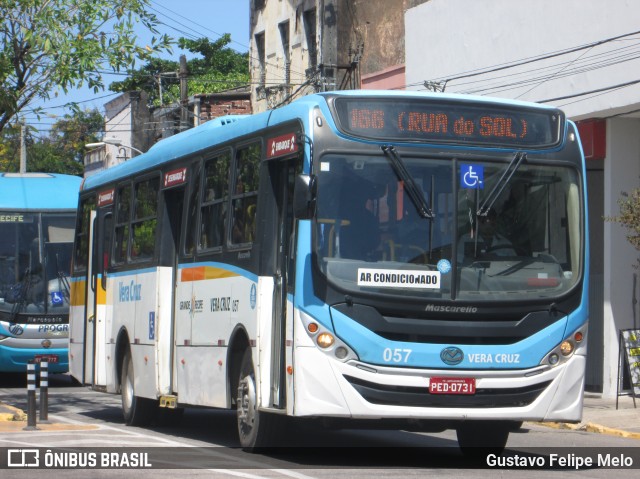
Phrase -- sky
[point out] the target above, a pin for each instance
(182, 18)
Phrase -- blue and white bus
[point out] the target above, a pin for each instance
(415, 259)
(37, 219)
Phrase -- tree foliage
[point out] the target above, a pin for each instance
(217, 69)
(59, 152)
(52, 45)
(629, 217)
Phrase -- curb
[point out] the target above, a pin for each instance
(11, 414)
(591, 427)
(19, 426)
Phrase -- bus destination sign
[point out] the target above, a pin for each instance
(449, 122)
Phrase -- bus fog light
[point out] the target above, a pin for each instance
(553, 359)
(341, 352)
(325, 340)
(566, 348)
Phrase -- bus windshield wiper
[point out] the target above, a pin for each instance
(500, 185)
(414, 192)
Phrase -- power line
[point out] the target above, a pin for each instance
(598, 90)
(276, 66)
(516, 63)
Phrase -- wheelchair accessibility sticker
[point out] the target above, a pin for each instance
(472, 177)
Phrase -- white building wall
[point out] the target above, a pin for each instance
(449, 39)
(118, 124)
(621, 174)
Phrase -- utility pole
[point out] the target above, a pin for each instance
(184, 95)
(23, 149)
(160, 88)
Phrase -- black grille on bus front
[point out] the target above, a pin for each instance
(430, 328)
(420, 397)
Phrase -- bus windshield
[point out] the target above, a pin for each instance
(526, 245)
(35, 258)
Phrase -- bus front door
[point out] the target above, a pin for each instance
(95, 344)
(282, 331)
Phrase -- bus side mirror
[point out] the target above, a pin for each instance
(304, 197)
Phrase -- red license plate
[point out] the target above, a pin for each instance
(452, 386)
(52, 358)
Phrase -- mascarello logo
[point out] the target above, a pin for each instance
(451, 355)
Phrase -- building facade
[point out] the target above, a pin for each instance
(129, 121)
(300, 47)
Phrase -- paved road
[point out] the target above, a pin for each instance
(206, 438)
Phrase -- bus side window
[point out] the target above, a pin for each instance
(245, 194)
(144, 222)
(81, 254)
(123, 216)
(191, 232)
(213, 216)
(107, 235)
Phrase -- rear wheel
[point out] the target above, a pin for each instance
(137, 411)
(477, 439)
(255, 429)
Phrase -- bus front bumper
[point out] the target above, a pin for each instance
(329, 388)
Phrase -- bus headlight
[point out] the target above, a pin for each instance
(565, 349)
(325, 340)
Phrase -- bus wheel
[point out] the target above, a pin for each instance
(255, 429)
(137, 411)
(477, 439)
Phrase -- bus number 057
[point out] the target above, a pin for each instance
(396, 355)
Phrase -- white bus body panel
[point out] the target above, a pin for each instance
(138, 309)
(76, 338)
(263, 362)
(208, 309)
(322, 390)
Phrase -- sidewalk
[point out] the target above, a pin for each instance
(599, 416)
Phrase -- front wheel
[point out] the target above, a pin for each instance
(255, 429)
(137, 411)
(477, 439)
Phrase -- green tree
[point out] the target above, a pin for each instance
(217, 69)
(60, 152)
(629, 218)
(52, 45)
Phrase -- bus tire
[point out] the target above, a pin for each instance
(137, 411)
(256, 430)
(477, 439)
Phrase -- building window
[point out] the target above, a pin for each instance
(309, 18)
(284, 36)
(262, 68)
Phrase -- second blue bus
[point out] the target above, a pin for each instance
(37, 218)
